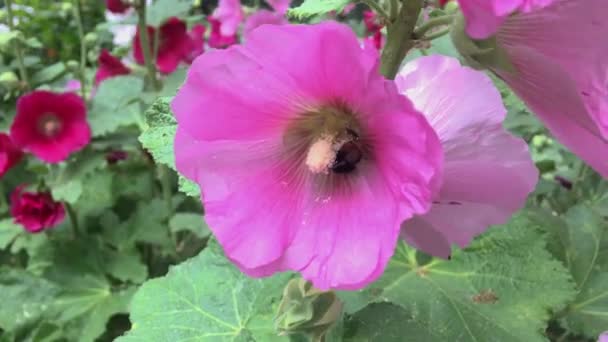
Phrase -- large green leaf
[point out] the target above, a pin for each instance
(24, 297)
(310, 8)
(502, 288)
(114, 104)
(582, 244)
(8, 232)
(206, 298)
(158, 140)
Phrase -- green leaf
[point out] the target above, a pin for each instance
(24, 296)
(162, 10)
(206, 298)
(191, 222)
(582, 244)
(386, 322)
(8, 232)
(126, 266)
(68, 185)
(315, 7)
(114, 104)
(501, 288)
(158, 140)
(49, 73)
(158, 137)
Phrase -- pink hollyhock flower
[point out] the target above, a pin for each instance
(484, 17)
(197, 39)
(35, 211)
(72, 86)
(176, 45)
(280, 6)
(50, 125)
(559, 72)
(308, 159)
(230, 15)
(263, 17)
(9, 153)
(603, 337)
(488, 173)
(216, 39)
(109, 66)
(117, 6)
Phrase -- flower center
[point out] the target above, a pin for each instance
(49, 125)
(329, 138)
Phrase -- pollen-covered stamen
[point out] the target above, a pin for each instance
(49, 125)
(321, 155)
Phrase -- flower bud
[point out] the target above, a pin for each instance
(90, 39)
(306, 310)
(67, 7)
(72, 65)
(479, 54)
(9, 80)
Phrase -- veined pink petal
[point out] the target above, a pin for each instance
(243, 135)
(488, 173)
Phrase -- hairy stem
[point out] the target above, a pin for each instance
(18, 47)
(400, 38)
(73, 219)
(144, 41)
(83, 49)
(433, 24)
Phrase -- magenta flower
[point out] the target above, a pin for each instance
(10, 154)
(488, 173)
(35, 211)
(308, 159)
(230, 15)
(374, 30)
(538, 55)
(279, 6)
(484, 17)
(216, 39)
(263, 17)
(176, 45)
(117, 6)
(50, 125)
(109, 66)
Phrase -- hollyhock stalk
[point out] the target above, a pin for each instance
(83, 49)
(144, 41)
(398, 37)
(17, 44)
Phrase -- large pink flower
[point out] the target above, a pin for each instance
(484, 17)
(230, 14)
(109, 66)
(50, 125)
(488, 173)
(9, 153)
(307, 158)
(176, 45)
(561, 73)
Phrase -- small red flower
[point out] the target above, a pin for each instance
(35, 211)
(442, 3)
(114, 157)
(176, 45)
(109, 66)
(50, 125)
(372, 22)
(216, 39)
(9, 153)
(117, 6)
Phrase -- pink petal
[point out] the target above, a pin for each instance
(263, 17)
(488, 172)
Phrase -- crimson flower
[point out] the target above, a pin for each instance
(109, 66)
(9, 153)
(50, 125)
(35, 211)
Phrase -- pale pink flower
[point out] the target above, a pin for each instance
(556, 60)
(230, 14)
(263, 17)
(307, 158)
(484, 17)
(603, 337)
(488, 173)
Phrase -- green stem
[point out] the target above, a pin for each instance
(436, 34)
(394, 10)
(3, 201)
(399, 39)
(83, 49)
(373, 4)
(73, 219)
(18, 47)
(144, 41)
(431, 24)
